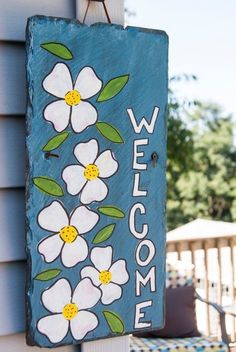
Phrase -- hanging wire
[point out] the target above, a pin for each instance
(105, 10)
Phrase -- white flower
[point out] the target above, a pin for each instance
(66, 239)
(69, 310)
(71, 105)
(88, 176)
(106, 275)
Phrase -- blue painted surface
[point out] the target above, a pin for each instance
(111, 51)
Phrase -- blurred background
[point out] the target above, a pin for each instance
(202, 109)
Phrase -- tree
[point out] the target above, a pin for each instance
(179, 151)
(203, 184)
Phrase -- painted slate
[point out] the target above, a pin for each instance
(96, 144)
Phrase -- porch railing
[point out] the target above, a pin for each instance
(214, 260)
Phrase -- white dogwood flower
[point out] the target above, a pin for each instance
(87, 177)
(106, 275)
(71, 105)
(69, 310)
(67, 233)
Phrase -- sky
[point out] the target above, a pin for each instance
(202, 37)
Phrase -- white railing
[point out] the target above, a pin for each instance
(214, 260)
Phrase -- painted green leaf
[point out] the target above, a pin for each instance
(113, 87)
(58, 49)
(115, 323)
(48, 185)
(112, 211)
(47, 275)
(55, 141)
(110, 132)
(104, 234)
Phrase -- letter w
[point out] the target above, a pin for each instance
(149, 126)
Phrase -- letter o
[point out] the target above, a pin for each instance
(151, 253)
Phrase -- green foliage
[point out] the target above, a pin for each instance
(114, 322)
(48, 185)
(47, 275)
(58, 49)
(112, 88)
(109, 132)
(112, 211)
(104, 234)
(201, 163)
(55, 142)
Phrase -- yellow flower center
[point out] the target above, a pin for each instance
(70, 311)
(91, 172)
(105, 277)
(73, 97)
(68, 234)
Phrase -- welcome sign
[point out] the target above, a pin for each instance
(96, 143)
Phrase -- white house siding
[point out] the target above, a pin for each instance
(12, 222)
(12, 151)
(13, 14)
(12, 73)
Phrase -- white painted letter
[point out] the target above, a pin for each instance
(138, 154)
(133, 210)
(136, 191)
(151, 253)
(149, 126)
(140, 280)
(139, 315)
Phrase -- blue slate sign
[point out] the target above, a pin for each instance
(96, 144)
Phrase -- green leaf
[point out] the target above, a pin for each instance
(58, 49)
(47, 275)
(104, 234)
(113, 87)
(55, 141)
(112, 211)
(48, 185)
(110, 132)
(115, 323)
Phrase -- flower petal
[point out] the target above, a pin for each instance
(83, 115)
(50, 247)
(107, 164)
(73, 175)
(110, 293)
(57, 296)
(55, 327)
(82, 324)
(58, 113)
(86, 295)
(94, 191)
(75, 252)
(53, 217)
(119, 272)
(92, 273)
(87, 83)
(86, 152)
(59, 81)
(83, 219)
(101, 257)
